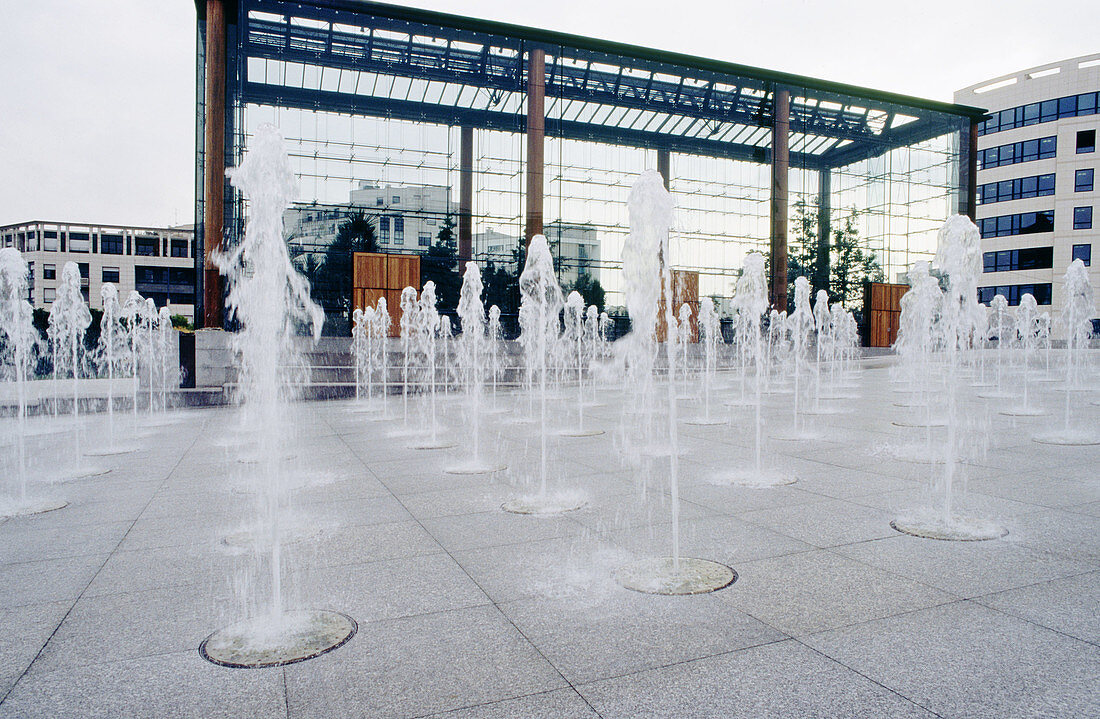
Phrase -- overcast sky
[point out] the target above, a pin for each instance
(97, 96)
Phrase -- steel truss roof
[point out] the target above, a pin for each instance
(417, 65)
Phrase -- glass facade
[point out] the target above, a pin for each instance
(373, 107)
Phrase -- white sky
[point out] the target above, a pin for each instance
(97, 96)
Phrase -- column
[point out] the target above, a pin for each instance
(780, 164)
(536, 132)
(465, 196)
(824, 227)
(214, 169)
(664, 165)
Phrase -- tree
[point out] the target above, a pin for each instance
(332, 279)
(440, 265)
(502, 287)
(843, 270)
(591, 290)
(851, 266)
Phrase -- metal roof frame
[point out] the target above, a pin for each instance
(840, 123)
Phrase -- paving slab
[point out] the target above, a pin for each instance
(965, 660)
(776, 681)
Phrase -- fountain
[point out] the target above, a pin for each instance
(958, 256)
(647, 273)
(428, 330)
(271, 301)
(752, 291)
(69, 320)
(800, 326)
(111, 358)
(1027, 330)
(408, 324)
(472, 346)
(381, 328)
(1078, 307)
(18, 345)
(541, 304)
(709, 334)
(574, 343)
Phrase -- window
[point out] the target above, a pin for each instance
(79, 242)
(49, 294)
(110, 244)
(1029, 258)
(179, 248)
(398, 230)
(1022, 224)
(1082, 180)
(1083, 253)
(49, 272)
(1038, 112)
(146, 246)
(1086, 141)
(1082, 218)
(1012, 293)
(424, 239)
(49, 240)
(396, 199)
(83, 268)
(379, 201)
(1015, 152)
(110, 274)
(384, 229)
(1017, 189)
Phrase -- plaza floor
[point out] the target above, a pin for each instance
(466, 611)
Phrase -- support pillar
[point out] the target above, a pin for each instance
(664, 166)
(465, 197)
(968, 172)
(536, 132)
(214, 168)
(824, 228)
(780, 164)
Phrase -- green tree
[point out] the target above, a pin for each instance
(332, 279)
(851, 265)
(591, 290)
(440, 265)
(841, 268)
(502, 286)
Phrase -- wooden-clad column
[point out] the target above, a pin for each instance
(214, 166)
(465, 197)
(536, 132)
(780, 164)
(824, 227)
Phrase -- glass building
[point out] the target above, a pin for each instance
(413, 117)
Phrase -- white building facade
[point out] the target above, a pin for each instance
(1037, 184)
(406, 219)
(158, 262)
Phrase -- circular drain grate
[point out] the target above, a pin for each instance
(660, 575)
(252, 644)
(968, 529)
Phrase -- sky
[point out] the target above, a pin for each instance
(97, 96)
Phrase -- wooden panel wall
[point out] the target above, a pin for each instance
(685, 290)
(377, 275)
(882, 305)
